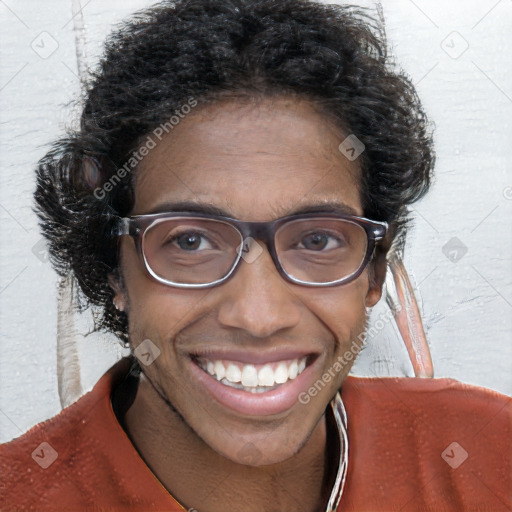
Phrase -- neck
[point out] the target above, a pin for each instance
(200, 478)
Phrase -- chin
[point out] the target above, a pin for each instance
(264, 448)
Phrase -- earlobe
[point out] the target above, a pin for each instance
(115, 282)
(377, 277)
(373, 296)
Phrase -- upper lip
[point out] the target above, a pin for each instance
(252, 357)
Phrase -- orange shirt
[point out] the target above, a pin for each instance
(414, 445)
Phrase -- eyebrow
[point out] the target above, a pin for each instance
(212, 209)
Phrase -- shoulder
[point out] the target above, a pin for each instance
(78, 460)
(429, 444)
(449, 398)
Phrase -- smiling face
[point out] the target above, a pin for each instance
(256, 162)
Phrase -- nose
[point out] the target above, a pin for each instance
(257, 299)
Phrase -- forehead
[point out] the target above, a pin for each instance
(257, 161)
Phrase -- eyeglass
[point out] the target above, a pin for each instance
(196, 250)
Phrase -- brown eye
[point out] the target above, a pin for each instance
(316, 241)
(319, 241)
(189, 241)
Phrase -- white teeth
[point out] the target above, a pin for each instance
(293, 370)
(250, 378)
(266, 376)
(233, 373)
(218, 370)
(257, 389)
(281, 373)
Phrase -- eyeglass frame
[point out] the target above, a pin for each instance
(137, 225)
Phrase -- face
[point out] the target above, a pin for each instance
(257, 162)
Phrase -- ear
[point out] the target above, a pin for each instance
(115, 282)
(377, 276)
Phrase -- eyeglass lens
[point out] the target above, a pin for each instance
(188, 250)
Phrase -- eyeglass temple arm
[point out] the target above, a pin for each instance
(123, 227)
(379, 232)
(402, 301)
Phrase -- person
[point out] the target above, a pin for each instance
(238, 185)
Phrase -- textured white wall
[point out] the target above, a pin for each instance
(458, 54)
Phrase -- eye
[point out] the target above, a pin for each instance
(190, 241)
(319, 241)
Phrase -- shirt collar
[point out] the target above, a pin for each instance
(340, 417)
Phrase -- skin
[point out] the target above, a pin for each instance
(259, 161)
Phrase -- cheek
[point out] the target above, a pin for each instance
(342, 309)
(161, 312)
(156, 311)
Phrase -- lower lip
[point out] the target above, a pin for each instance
(267, 403)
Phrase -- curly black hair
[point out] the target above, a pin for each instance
(334, 56)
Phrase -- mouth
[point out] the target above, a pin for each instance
(254, 386)
(253, 378)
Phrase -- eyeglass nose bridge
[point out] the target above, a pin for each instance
(259, 232)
